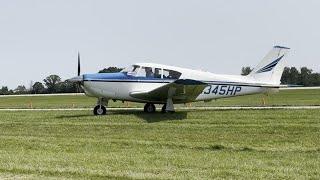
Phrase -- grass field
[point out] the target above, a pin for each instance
(287, 98)
(237, 144)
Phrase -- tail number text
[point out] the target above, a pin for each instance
(222, 90)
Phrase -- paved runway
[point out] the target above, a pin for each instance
(178, 108)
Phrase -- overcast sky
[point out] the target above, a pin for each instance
(42, 37)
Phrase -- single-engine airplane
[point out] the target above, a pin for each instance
(168, 85)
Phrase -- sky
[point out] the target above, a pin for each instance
(42, 37)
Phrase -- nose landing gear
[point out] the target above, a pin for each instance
(100, 109)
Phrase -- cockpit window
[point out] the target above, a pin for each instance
(131, 70)
(147, 72)
(170, 74)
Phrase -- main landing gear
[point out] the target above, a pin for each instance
(100, 109)
(151, 108)
(167, 107)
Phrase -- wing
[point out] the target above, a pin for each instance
(181, 90)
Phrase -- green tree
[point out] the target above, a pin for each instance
(246, 70)
(294, 76)
(110, 70)
(21, 89)
(52, 82)
(67, 87)
(38, 88)
(315, 79)
(290, 75)
(5, 91)
(304, 78)
(285, 76)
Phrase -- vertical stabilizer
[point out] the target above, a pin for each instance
(270, 69)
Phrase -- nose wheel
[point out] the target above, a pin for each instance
(149, 108)
(99, 110)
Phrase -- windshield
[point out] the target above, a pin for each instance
(131, 70)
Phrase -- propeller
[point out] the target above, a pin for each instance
(79, 68)
(79, 72)
(78, 80)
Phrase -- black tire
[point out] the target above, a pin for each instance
(163, 109)
(149, 108)
(99, 110)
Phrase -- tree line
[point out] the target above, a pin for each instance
(53, 83)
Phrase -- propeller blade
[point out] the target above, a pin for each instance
(79, 69)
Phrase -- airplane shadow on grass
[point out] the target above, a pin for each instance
(153, 117)
(73, 116)
(150, 118)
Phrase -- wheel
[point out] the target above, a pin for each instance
(163, 109)
(99, 110)
(149, 108)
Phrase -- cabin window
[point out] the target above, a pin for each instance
(158, 73)
(150, 72)
(170, 74)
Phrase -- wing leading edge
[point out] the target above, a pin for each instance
(181, 90)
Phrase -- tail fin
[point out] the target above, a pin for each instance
(270, 69)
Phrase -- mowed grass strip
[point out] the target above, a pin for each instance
(283, 98)
(247, 144)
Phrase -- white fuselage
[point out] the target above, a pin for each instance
(219, 86)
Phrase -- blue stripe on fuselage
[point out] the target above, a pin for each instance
(105, 76)
(116, 76)
(123, 77)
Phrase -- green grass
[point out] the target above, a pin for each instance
(237, 144)
(287, 98)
